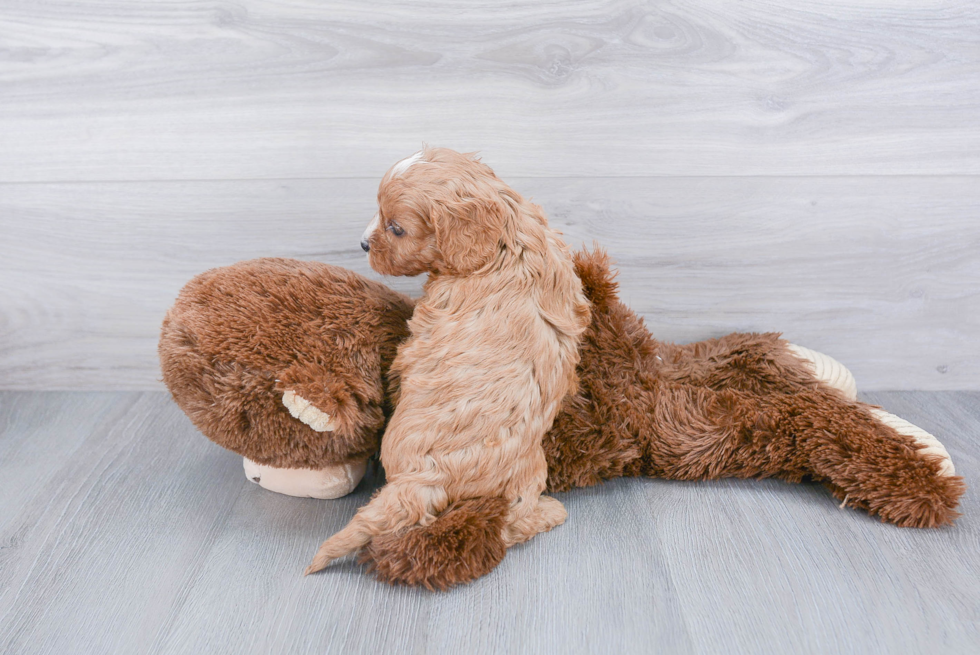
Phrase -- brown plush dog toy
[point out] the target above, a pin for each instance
(284, 362)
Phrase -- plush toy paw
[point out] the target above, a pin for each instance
(834, 374)
(331, 482)
(302, 409)
(930, 445)
(828, 370)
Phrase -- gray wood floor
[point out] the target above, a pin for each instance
(123, 530)
(812, 168)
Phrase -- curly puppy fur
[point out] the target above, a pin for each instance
(238, 337)
(491, 355)
(740, 406)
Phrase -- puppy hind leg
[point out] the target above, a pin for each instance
(531, 517)
(551, 513)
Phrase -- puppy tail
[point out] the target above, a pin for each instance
(390, 509)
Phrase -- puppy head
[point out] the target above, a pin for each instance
(439, 211)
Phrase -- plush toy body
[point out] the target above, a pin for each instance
(746, 405)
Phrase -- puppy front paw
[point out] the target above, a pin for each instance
(302, 409)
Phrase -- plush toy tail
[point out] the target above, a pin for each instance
(463, 543)
(869, 464)
(594, 268)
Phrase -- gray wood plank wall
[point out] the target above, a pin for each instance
(811, 168)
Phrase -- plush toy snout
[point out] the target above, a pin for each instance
(328, 483)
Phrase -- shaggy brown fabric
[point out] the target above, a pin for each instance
(739, 406)
(464, 544)
(238, 337)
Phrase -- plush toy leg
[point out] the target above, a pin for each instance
(757, 363)
(828, 370)
(834, 374)
(874, 460)
(463, 542)
(704, 434)
(330, 482)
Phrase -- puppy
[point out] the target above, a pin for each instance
(491, 354)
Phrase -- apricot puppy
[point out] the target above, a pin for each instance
(492, 351)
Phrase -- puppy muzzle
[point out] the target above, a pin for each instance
(366, 237)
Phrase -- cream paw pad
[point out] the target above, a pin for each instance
(301, 408)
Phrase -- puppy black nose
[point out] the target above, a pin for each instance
(365, 245)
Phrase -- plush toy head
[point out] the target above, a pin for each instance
(284, 362)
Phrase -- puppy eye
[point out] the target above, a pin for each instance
(396, 229)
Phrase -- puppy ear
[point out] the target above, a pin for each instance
(468, 232)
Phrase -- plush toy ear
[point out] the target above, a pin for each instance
(468, 232)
